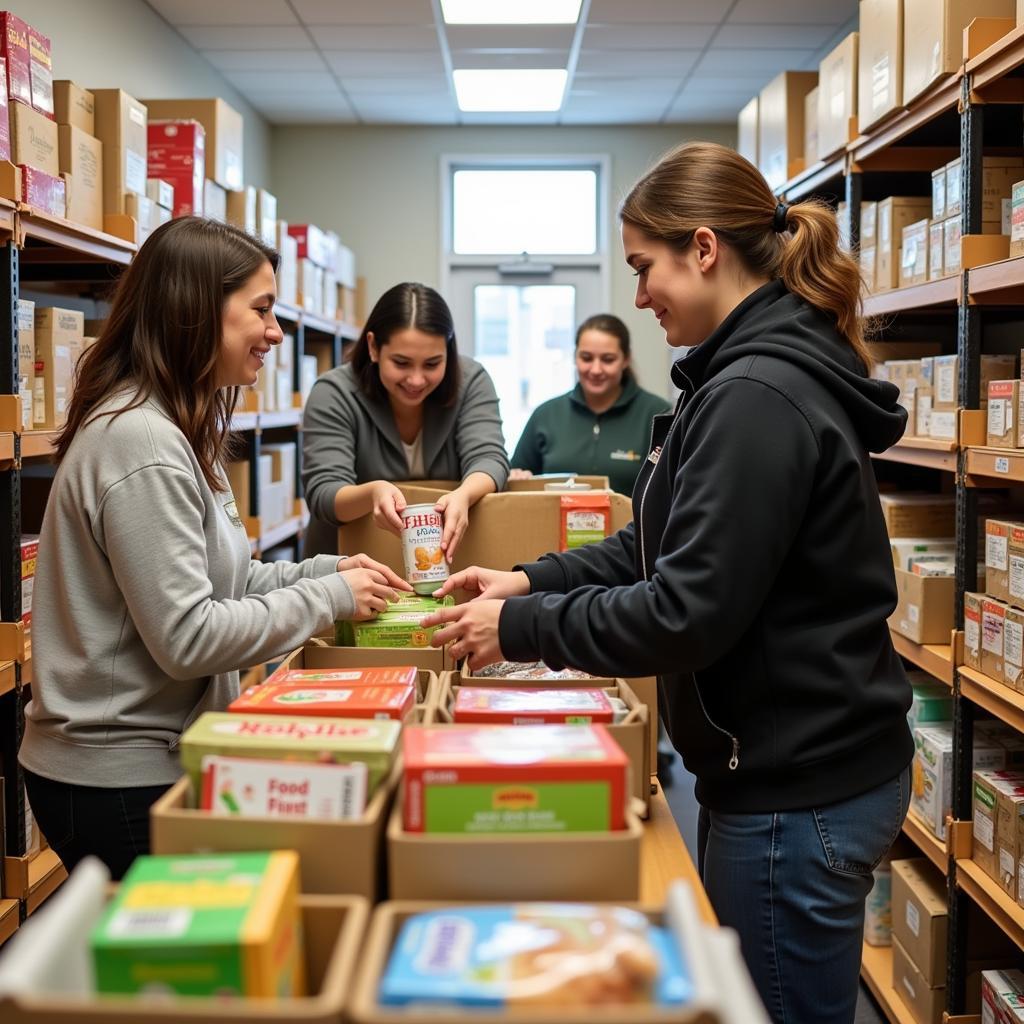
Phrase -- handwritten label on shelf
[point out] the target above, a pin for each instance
(1002, 464)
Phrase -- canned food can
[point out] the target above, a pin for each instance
(425, 565)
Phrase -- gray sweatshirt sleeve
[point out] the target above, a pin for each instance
(267, 576)
(479, 442)
(329, 439)
(187, 633)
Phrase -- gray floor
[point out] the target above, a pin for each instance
(679, 794)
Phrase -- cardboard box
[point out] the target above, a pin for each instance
(908, 514)
(56, 330)
(1003, 401)
(242, 208)
(1002, 996)
(266, 216)
(936, 250)
(999, 173)
(933, 38)
(321, 653)
(215, 201)
(15, 51)
(879, 60)
(121, 127)
(914, 254)
(811, 127)
(74, 105)
(1017, 219)
(26, 319)
(177, 154)
(993, 621)
(306, 296)
(924, 612)
(925, 1002)
(287, 268)
(920, 916)
(81, 159)
(951, 245)
(972, 630)
(868, 222)
(160, 191)
(781, 125)
(894, 214)
(142, 210)
(986, 789)
(224, 135)
(995, 367)
(1013, 648)
(313, 244)
(939, 193)
(997, 556)
(906, 550)
(748, 131)
(34, 138)
(1009, 812)
(837, 95)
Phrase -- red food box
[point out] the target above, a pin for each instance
(313, 243)
(327, 701)
(177, 153)
(487, 779)
(399, 675)
(43, 191)
(40, 72)
(14, 50)
(5, 117)
(532, 707)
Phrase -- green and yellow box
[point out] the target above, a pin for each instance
(291, 738)
(204, 925)
(399, 626)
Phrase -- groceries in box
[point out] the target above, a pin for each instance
(528, 670)
(532, 707)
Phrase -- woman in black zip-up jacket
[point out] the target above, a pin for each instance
(756, 578)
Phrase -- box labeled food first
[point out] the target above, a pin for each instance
(290, 738)
(499, 779)
(220, 924)
(379, 702)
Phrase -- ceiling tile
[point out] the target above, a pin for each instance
(346, 12)
(701, 90)
(779, 37)
(310, 117)
(281, 109)
(518, 59)
(509, 37)
(516, 118)
(388, 86)
(639, 12)
(610, 116)
(723, 63)
(651, 62)
(631, 85)
(246, 37)
(392, 110)
(369, 62)
(261, 82)
(379, 37)
(272, 60)
(795, 12)
(225, 12)
(644, 37)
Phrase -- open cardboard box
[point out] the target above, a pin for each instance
(515, 866)
(724, 993)
(633, 734)
(334, 856)
(333, 928)
(320, 652)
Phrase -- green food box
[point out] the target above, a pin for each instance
(291, 738)
(204, 925)
(399, 626)
(932, 702)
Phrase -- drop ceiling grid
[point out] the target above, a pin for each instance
(636, 61)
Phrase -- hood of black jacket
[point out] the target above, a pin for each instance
(773, 322)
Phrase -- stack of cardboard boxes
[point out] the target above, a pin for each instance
(276, 484)
(80, 153)
(121, 125)
(275, 382)
(928, 390)
(1003, 397)
(59, 342)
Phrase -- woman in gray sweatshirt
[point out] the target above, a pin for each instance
(147, 600)
(406, 406)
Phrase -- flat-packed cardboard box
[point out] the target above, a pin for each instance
(26, 317)
(906, 515)
(56, 331)
(924, 611)
(879, 60)
(224, 135)
(894, 214)
(177, 154)
(34, 138)
(951, 230)
(121, 127)
(933, 38)
(242, 208)
(333, 929)
(925, 1002)
(81, 160)
(1003, 401)
(811, 127)
(914, 254)
(920, 916)
(215, 201)
(748, 130)
(781, 125)
(837, 96)
(993, 623)
(74, 105)
(524, 866)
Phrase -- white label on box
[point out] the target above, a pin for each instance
(1013, 646)
(913, 918)
(945, 382)
(1005, 864)
(913, 613)
(942, 425)
(984, 831)
(909, 253)
(972, 634)
(997, 417)
(148, 923)
(1017, 576)
(996, 548)
(1002, 464)
(135, 172)
(992, 633)
(880, 84)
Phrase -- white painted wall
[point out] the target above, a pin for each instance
(125, 44)
(380, 189)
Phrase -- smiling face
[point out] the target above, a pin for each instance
(249, 330)
(675, 285)
(600, 363)
(411, 365)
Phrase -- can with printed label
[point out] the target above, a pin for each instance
(425, 565)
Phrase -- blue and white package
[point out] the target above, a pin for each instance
(534, 954)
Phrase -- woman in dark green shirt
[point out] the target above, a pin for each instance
(600, 428)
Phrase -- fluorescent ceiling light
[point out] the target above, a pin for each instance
(509, 90)
(511, 12)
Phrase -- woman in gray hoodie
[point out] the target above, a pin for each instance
(406, 406)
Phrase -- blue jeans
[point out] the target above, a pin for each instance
(793, 885)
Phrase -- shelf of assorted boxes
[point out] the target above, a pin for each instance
(995, 697)
(936, 659)
(927, 452)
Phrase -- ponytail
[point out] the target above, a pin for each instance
(705, 184)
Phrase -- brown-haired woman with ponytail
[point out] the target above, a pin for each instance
(756, 579)
(150, 599)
